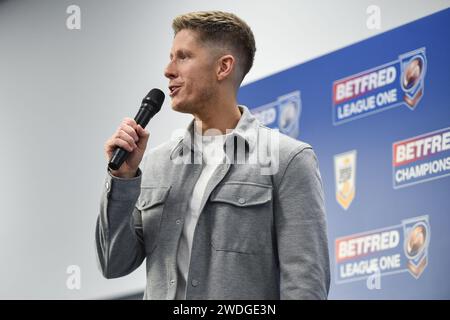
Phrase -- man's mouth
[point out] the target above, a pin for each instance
(174, 90)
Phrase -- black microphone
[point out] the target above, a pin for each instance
(150, 105)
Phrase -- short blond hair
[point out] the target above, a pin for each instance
(224, 29)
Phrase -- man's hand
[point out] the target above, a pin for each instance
(133, 138)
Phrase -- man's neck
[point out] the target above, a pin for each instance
(219, 117)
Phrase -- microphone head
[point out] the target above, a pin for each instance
(154, 100)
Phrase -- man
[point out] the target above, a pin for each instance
(213, 229)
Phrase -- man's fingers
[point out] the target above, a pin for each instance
(125, 136)
(142, 131)
(131, 131)
(144, 135)
(123, 144)
(129, 136)
(130, 122)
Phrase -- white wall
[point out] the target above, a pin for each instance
(63, 93)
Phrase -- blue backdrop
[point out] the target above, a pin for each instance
(377, 114)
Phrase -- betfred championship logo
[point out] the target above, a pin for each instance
(283, 114)
(421, 158)
(390, 250)
(345, 175)
(400, 82)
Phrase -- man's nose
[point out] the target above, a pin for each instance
(169, 71)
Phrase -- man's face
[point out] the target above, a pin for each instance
(191, 73)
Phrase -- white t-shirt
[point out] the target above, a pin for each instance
(213, 155)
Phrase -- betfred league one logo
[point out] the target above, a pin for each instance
(283, 114)
(400, 82)
(389, 250)
(345, 175)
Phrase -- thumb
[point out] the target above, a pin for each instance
(143, 137)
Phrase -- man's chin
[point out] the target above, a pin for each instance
(179, 107)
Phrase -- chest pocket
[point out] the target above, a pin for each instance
(241, 214)
(151, 204)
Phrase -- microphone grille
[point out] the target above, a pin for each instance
(155, 98)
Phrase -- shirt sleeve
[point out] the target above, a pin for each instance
(301, 230)
(119, 239)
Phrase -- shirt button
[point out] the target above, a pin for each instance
(172, 282)
(178, 221)
(194, 283)
(241, 200)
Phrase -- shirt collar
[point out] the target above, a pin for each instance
(245, 130)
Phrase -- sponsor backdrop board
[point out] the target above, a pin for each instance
(377, 114)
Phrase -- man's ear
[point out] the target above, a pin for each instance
(225, 66)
